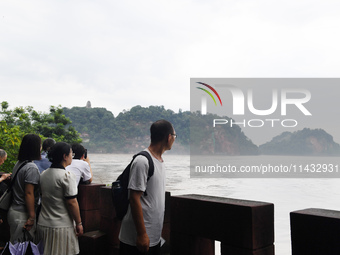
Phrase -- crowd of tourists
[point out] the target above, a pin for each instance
(45, 194)
(44, 207)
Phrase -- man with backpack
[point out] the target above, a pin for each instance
(142, 225)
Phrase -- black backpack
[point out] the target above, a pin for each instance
(120, 186)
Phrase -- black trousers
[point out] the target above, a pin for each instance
(125, 249)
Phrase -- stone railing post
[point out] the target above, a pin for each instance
(315, 232)
(242, 227)
(89, 204)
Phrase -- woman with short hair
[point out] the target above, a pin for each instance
(25, 189)
(59, 220)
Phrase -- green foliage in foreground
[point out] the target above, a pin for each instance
(16, 123)
(10, 139)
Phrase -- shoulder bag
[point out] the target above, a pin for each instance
(6, 198)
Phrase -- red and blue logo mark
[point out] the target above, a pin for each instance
(209, 93)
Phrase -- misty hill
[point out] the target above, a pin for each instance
(129, 131)
(305, 142)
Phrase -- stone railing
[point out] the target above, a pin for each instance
(195, 222)
(100, 226)
(243, 227)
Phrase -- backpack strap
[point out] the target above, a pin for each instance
(15, 175)
(151, 165)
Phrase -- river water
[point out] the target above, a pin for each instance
(287, 194)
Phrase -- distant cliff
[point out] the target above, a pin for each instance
(221, 140)
(305, 142)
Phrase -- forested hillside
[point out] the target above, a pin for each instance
(129, 131)
(102, 132)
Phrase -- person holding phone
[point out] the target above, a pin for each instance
(3, 177)
(80, 165)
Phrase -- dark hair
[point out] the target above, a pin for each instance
(30, 148)
(78, 150)
(160, 131)
(47, 144)
(57, 152)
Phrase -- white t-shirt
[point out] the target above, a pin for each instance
(81, 169)
(153, 204)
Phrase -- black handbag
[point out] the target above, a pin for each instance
(6, 198)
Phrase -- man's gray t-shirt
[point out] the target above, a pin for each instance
(27, 174)
(153, 204)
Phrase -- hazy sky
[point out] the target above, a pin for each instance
(119, 54)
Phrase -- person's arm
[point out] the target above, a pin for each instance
(73, 208)
(4, 177)
(143, 240)
(29, 200)
(88, 162)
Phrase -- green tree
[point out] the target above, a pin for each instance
(16, 123)
(10, 139)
